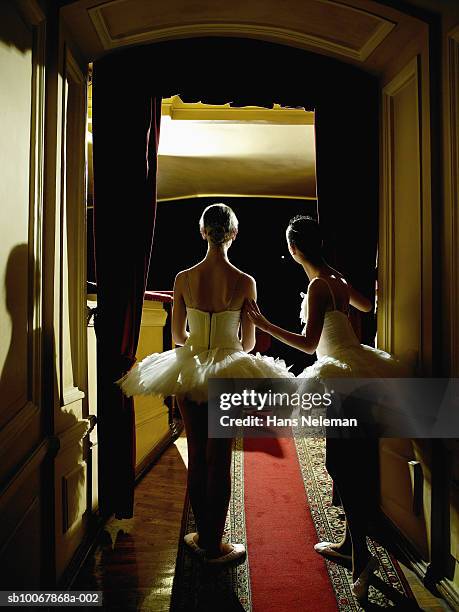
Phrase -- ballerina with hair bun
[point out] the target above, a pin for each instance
(328, 332)
(208, 299)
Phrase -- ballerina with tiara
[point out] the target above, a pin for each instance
(209, 296)
(328, 332)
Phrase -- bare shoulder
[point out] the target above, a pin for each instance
(356, 298)
(247, 286)
(247, 279)
(179, 278)
(247, 282)
(318, 290)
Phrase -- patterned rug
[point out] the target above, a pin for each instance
(390, 586)
(197, 588)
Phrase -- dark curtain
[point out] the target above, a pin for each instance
(346, 102)
(126, 123)
(347, 163)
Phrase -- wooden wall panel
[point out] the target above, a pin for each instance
(70, 424)
(451, 215)
(22, 450)
(16, 66)
(405, 282)
(400, 250)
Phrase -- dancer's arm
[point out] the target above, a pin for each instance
(306, 342)
(179, 332)
(247, 326)
(357, 299)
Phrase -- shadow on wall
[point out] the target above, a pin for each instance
(12, 32)
(13, 379)
(19, 347)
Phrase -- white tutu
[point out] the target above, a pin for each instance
(359, 361)
(186, 370)
(339, 352)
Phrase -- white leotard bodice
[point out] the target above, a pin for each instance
(211, 330)
(212, 350)
(337, 332)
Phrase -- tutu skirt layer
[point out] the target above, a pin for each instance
(379, 409)
(186, 370)
(358, 361)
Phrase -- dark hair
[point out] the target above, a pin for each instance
(219, 222)
(304, 234)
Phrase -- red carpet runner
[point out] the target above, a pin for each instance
(286, 574)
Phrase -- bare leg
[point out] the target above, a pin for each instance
(356, 527)
(349, 464)
(336, 451)
(218, 493)
(195, 421)
(209, 477)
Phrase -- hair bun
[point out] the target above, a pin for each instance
(219, 223)
(217, 234)
(304, 233)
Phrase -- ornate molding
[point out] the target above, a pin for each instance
(32, 11)
(36, 205)
(452, 196)
(175, 108)
(74, 434)
(237, 195)
(74, 394)
(73, 255)
(387, 212)
(450, 592)
(252, 30)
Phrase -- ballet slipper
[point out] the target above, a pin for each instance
(190, 541)
(359, 588)
(237, 552)
(329, 552)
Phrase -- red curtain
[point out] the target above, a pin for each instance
(126, 125)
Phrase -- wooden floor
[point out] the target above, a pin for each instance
(134, 560)
(425, 599)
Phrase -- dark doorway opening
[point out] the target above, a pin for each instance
(246, 72)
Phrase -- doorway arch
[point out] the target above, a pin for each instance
(130, 83)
